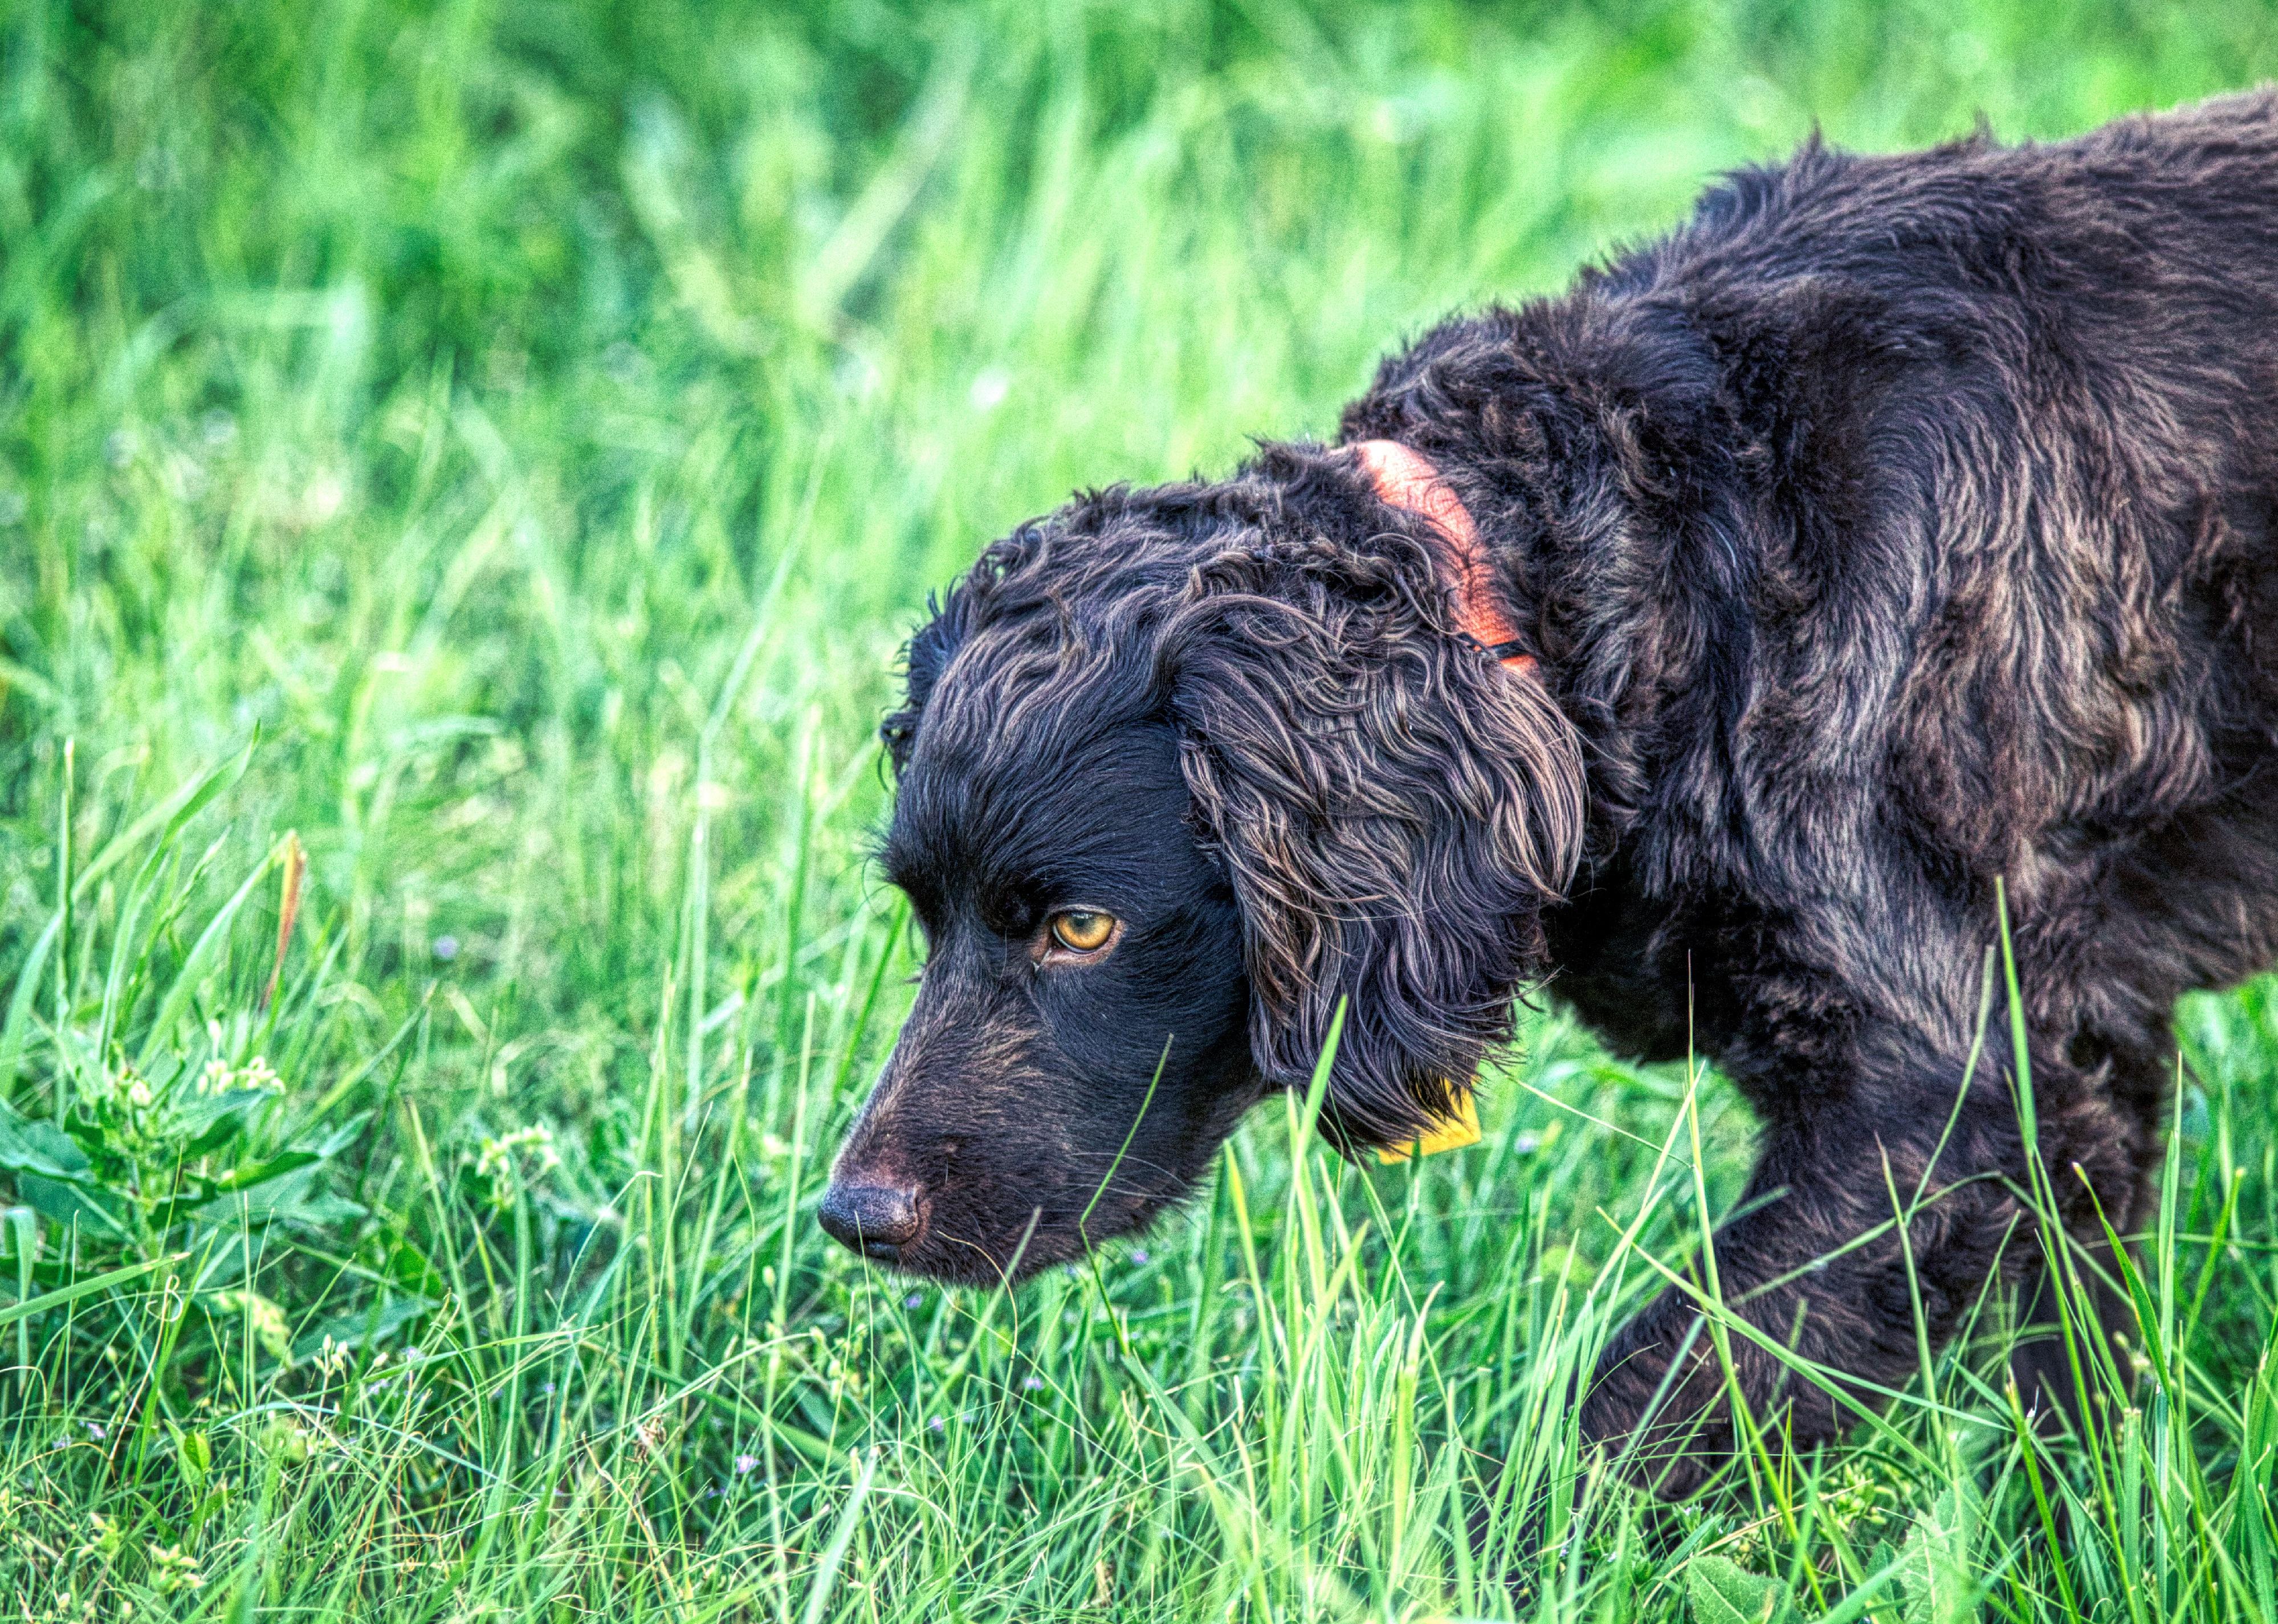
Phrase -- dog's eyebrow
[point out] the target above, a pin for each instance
(909, 872)
(940, 877)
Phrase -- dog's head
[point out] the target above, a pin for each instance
(1180, 770)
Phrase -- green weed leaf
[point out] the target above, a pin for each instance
(356, 1331)
(1934, 1573)
(65, 1202)
(194, 1452)
(29, 1147)
(1723, 1592)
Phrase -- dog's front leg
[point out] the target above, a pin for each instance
(1814, 1262)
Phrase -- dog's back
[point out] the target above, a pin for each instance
(1943, 509)
(2063, 470)
(2063, 463)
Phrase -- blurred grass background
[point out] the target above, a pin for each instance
(512, 439)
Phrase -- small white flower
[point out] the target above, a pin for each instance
(495, 1157)
(745, 1463)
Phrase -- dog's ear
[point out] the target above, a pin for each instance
(927, 656)
(1392, 807)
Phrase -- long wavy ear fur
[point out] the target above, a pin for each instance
(1393, 806)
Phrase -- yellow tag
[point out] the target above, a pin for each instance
(1451, 1133)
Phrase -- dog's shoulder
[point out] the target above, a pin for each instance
(1902, 477)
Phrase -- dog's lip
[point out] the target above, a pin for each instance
(890, 1251)
(969, 1264)
(1012, 1257)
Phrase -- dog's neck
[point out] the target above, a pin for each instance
(1406, 480)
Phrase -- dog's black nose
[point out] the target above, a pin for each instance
(876, 1219)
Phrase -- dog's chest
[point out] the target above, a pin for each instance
(1605, 952)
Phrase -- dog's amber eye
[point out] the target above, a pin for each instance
(1080, 930)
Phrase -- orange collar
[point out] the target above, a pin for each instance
(1406, 480)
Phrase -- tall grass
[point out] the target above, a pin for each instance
(464, 475)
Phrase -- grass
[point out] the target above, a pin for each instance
(464, 475)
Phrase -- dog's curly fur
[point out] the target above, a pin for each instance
(1899, 529)
(1389, 811)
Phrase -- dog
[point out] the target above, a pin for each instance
(1728, 645)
